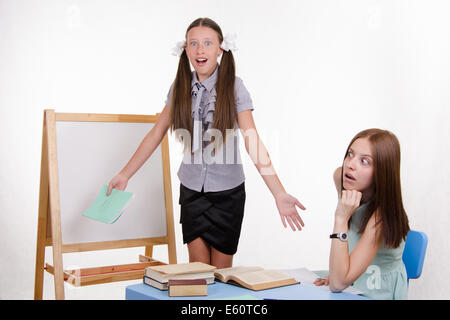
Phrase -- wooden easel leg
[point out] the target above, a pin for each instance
(42, 220)
(172, 252)
(168, 200)
(55, 213)
(58, 271)
(39, 274)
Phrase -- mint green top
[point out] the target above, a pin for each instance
(385, 278)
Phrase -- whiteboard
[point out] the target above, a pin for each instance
(89, 155)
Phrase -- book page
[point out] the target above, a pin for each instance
(262, 276)
(226, 272)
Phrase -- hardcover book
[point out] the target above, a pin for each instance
(194, 270)
(187, 287)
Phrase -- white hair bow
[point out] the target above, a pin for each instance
(178, 49)
(229, 42)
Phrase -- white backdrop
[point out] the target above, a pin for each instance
(318, 73)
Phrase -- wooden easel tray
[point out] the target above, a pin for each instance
(98, 275)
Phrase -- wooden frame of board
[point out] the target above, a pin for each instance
(49, 216)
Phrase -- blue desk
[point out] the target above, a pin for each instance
(220, 290)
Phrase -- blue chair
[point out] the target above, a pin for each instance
(414, 253)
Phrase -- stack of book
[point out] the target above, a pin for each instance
(159, 276)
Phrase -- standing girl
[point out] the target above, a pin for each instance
(205, 108)
(370, 223)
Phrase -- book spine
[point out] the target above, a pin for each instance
(187, 282)
(187, 288)
(155, 283)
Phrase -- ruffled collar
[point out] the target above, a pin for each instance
(209, 83)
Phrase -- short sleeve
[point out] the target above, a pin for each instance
(242, 96)
(169, 96)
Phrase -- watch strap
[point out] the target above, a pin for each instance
(343, 236)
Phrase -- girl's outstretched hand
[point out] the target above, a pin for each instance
(286, 207)
(119, 182)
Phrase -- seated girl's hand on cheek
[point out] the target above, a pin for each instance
(347, 204)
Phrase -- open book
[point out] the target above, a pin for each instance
(254, 278)
(108, 209)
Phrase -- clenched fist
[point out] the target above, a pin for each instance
(347, 204)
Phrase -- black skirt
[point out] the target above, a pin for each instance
(216, 217)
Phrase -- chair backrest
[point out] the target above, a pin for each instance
(414, 253)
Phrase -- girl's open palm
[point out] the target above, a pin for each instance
(286, 207)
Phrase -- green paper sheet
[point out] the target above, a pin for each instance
(108, 209)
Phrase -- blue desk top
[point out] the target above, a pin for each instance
(220, 290)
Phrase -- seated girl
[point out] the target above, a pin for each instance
(370, 225)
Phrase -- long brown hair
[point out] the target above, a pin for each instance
(225, 109)
(387, 195)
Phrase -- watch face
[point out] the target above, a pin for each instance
(344, 236)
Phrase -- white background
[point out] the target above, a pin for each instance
(318, 73)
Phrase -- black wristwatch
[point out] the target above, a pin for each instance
(341, 236)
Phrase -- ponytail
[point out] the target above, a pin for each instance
(225, 111)
(181, 101)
